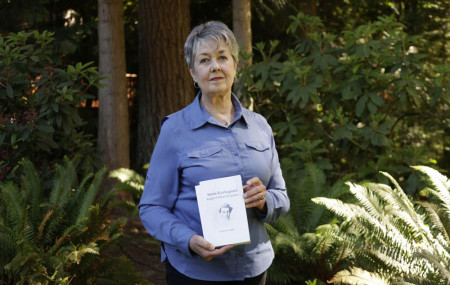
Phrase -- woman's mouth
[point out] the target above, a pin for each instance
(216, 78)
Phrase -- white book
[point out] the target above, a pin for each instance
(222, 211)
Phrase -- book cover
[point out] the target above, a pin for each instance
(222, 211)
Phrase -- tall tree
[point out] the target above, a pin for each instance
(242, 28)
(113, 129)
(165, 84)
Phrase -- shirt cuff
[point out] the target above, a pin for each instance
(183, 244)
(268, 216)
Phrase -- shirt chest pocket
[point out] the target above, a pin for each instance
(258, 158)
(201, 164)
(204, 152)
(258, 146)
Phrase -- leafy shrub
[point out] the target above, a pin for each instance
(57, 234)
(39, 118)
(358, 102)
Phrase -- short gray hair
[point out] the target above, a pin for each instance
(212, 30)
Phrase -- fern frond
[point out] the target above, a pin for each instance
(286, 224)
(367, 199)
(14, 204)
(402, 210)
(350, 212)
(395, 260)
(32, 189)
(7, 245)
(414, 280)
(436, 261)
(128, 177)
(440, 182)
(432, 212)
(74, 204)
(77, 254)
(44, 222)
(69, 179)
(315, 179)
(358, 276)
(336, 206)
(63, 184)
(399, 197)
(90, 194)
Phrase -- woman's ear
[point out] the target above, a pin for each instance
(192, 73)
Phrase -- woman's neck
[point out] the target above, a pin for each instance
(220, 107)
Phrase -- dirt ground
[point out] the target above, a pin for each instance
(143, 251)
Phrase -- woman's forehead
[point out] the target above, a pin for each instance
(209, 46)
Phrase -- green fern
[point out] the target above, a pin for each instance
(358, 276)
(14, 204)
(49, 237)
(299, 250)
(394, 238)
(89, 196)
(31, 190)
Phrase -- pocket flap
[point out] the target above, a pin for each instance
(259, 146)
(204, 152)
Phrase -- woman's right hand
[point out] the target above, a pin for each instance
(205, 249)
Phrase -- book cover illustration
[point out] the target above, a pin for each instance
(222, 211)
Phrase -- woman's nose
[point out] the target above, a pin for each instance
(215, 65)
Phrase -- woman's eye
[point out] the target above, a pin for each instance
(203, 60)
(223, 57)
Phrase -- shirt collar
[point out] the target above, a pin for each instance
(199, 116)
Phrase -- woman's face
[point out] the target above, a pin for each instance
(214, 69)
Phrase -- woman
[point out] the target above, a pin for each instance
(211, 138)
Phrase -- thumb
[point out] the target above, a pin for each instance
(207, 245)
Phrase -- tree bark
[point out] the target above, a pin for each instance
(165, 85)
(113, 129)
(310, 7)
(242, 28)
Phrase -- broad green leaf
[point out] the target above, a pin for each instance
(377, 100)
(360, 105)
(342, 133)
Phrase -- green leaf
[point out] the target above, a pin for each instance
(45, 128)
(372, 108)
(351, 91)
(9, 90)
(2, 137)
(13, 139)
(377, 100)
(361, 104)
(342, 133)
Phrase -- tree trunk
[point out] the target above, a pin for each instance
(242, 29)
(310, 7)
(165, 85)
(113, 129)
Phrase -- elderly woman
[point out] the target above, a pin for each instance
(211, 138)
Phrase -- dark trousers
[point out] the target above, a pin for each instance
(174, 277)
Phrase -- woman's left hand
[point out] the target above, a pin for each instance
(255, 194)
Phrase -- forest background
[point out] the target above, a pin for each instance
(353, 90)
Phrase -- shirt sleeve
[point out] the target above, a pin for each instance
(277, 200)
(161, 192)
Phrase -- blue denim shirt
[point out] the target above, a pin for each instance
(193, 146)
